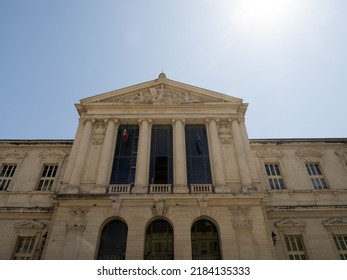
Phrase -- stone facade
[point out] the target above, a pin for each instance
(267, 199)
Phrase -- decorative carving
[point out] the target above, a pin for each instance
(290, 226)
(159, 207)
(78, 219)
(52, 156)
(240, 216)
(342, 153)
(203, 203)
(224, 132)
(270, 153)
(98, 133)
(13, 156)
(309, 152)
(160, 96)
(116, 204)
(29, 224)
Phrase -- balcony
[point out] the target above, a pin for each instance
(119, 188)
(201, 188)
(160, 188)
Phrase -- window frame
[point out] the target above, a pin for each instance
(51, 179)
(276, 177)
(315, 167)
(7, 179)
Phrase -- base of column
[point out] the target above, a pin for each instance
(71, 189)
(98, 190)
(249, 189)
(180, 189)
(221, 189)
(140, 189)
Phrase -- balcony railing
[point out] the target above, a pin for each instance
(201, 188)
(119, 188)
(160, 188)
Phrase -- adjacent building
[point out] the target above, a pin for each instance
(165, 170)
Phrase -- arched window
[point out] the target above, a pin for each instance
(159, 241)
(205, 241)
(113, 241)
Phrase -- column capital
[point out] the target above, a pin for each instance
(142, 120)
(175, 120)
(208, 120)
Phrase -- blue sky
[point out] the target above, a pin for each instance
(287, 59)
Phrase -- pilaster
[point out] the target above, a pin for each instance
(143, 152)
(216, 155)
(180, 169)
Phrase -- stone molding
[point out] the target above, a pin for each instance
(240, 217)
(12, 156)
(270, 153)
(203, 204)
(52, 156)
(309, 152)
(337, 225)
(159, 208)
(291, 226)
(77, 219)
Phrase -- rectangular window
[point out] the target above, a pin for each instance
(161, 162)
(295, 247)
(124, 162)
(316, 176)
(47, 178)
(6, 175)
(341, 245)
(197, 155)
(274, 176)
(24, 249)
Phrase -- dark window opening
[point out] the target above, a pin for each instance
(124, 163)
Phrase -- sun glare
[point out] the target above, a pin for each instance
(264, 15)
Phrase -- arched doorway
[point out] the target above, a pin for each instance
(113, 241)
(159, 241)
(205, 241)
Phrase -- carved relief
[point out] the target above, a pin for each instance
(270, 153)
(52, 156)
(12, 156)
(116, 204)
(309, 152)
(203, 203)
(77, 219)
(224, 132)
(240, 216)
(159, 207)
(98, 133)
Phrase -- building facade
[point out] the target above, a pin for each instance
(165, 170)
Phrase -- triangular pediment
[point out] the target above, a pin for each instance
(161, 91)
(290, 223)
(29, 224)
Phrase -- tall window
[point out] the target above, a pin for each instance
(24, 248)
(341, 245)
(47, 177)
(205, 241)
(198, 161)
(113, 241)
(124, 163)
(295, 247)
(274, 176)
(159, 241)
(161, 164)
(316, 176)
(6, 175)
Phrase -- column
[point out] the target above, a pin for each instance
(74, 152)
(248, 150)
(241, 157)
(142, 163)
(217, 161)
(78, 167)
(180, 169)
(105, 157)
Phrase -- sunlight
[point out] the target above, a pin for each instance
(264, 15)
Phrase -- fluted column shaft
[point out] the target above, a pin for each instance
(106, 154)
(217, 161)
(142, 163)
(248, 150)
(78, 167)
(241, 154)
(180, 170)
